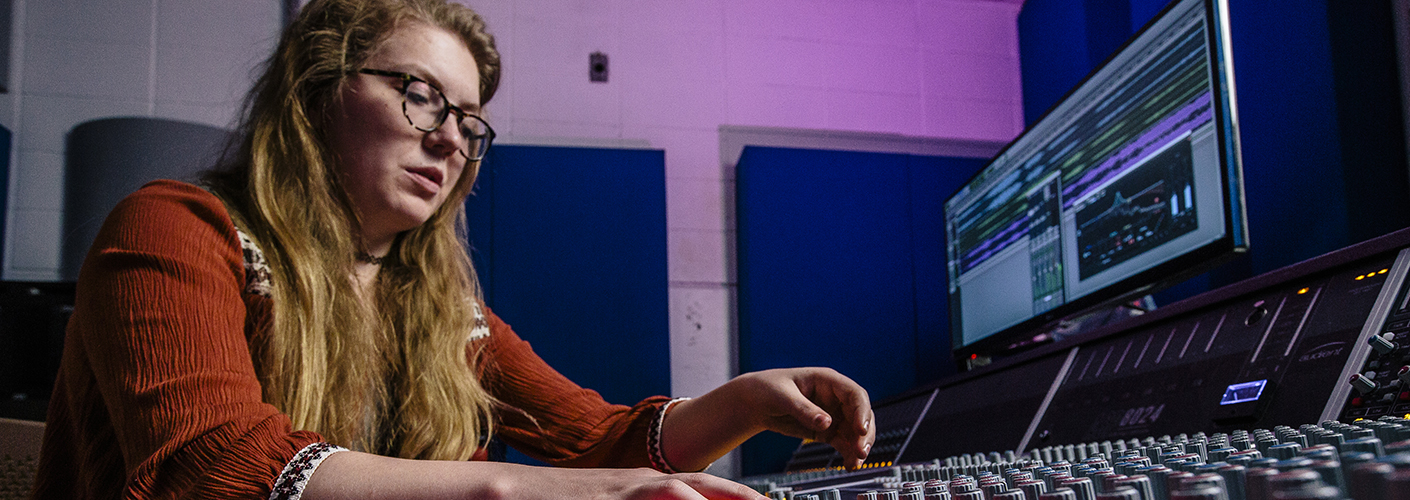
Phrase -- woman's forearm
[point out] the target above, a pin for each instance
(353, 475)
(811, 403)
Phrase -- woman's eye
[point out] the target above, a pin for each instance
(421, 94)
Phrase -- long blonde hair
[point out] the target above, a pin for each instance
(397, 380)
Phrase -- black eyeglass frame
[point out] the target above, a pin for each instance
(461, 114)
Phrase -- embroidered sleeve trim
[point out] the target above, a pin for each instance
(257, 278)
(290, 483)
(482, 324)
(653, 439)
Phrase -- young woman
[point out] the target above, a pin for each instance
(307, 322)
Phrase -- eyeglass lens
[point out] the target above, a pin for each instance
(427, 109)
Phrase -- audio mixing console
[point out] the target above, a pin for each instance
(1295, 384)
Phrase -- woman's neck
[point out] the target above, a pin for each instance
(370, 261)
(364, 278)
(378, 248)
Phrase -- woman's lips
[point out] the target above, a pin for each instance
(430, 177)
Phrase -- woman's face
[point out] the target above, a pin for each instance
(397, 176)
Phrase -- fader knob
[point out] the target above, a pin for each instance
(1363, 384)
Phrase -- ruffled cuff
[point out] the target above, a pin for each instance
(290, 483)
(653, 439)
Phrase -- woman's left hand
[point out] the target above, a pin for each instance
(810, 403)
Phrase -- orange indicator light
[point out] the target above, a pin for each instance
(1383, 271)
(1361, 277)
(1302, 291)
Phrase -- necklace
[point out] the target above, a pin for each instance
(370, 259)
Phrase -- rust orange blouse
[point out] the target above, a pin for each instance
(157, 395)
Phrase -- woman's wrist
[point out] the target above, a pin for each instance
(700, 430)
(655, 450)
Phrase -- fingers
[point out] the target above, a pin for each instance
(852, 405)
(822, 405)
(713, 487)
(646, 484)
(856, 447)
(856, 402)
(808, 414)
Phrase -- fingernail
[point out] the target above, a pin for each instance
(866, 449)
(820, 421)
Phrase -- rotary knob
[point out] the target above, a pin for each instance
(1363, 384)
(1284, 451)
(1383, 343)
(1367, 444)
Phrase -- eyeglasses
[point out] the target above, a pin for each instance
(426, 108)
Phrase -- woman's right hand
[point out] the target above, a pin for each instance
(639, 484)
(365, 476)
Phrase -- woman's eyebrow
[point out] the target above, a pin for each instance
(424, 73)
